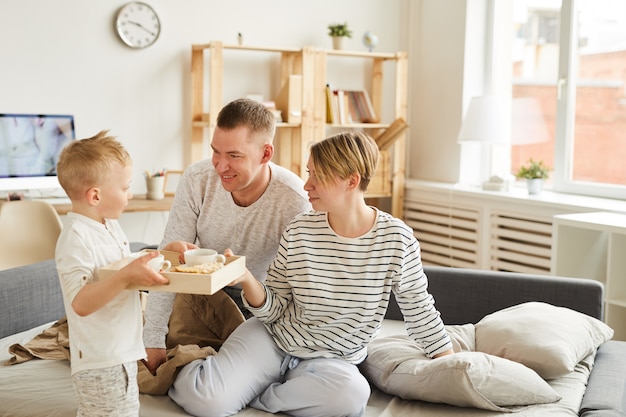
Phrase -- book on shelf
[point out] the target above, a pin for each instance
(334, 109)
(349, 106)
(342, 107)
(330, 117)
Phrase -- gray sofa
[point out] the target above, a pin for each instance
(31, 296)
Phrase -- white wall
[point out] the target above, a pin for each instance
(63, 56)
(451, 63)
(442, 68)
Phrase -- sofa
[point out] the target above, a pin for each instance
(30, 301)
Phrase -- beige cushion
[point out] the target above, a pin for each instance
(466, 379)
(549, 339)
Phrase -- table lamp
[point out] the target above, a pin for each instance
(487, 121)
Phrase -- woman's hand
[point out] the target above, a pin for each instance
(446, 353)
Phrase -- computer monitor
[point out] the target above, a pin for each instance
(30, 145)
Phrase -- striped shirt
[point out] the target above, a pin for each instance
(327, 295)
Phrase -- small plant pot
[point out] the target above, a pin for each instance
(534, 185)
(338, 42)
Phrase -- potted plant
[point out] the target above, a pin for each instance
(338, 31)
(534, 172)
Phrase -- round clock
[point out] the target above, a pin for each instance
(137, 24)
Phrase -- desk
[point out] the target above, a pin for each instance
(136, 204)
(143, 220)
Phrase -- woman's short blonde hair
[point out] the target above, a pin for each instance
(86, 163)
(345, 154)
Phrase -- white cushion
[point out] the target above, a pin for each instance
(466, 379)
(549, 339)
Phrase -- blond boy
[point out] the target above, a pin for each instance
(104, 318)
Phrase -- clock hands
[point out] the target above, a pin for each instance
(139, 25)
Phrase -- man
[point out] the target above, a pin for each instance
(238, 200)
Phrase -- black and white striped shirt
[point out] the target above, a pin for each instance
(327, 295)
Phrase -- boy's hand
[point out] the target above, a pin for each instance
(140, 273)
(95, 295)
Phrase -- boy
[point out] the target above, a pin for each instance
(104, 319)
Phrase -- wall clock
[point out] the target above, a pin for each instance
(137, 24)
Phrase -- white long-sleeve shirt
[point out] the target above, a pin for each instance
(327, 295)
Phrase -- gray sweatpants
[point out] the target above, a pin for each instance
(250, 369)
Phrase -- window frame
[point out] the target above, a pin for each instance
(566, 112)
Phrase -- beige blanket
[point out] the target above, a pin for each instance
(52, 343)
(198, 326)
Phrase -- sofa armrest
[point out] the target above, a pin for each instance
(606, 392)
(30, 296)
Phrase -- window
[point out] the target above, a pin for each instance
(569, 92)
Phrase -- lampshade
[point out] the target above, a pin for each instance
(486, 120)
(528, 124)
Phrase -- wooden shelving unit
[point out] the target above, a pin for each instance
(289, 137)
(293, 138)
(389, 182)
(592, 245)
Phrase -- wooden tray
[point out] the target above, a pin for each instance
(187, 283)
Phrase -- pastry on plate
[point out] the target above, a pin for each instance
(207, 268)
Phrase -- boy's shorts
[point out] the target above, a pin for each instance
(107, 392)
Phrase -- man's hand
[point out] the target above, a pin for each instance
(179, 246)
(156, 357)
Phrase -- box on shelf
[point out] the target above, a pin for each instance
(289, 100)
(187, 283)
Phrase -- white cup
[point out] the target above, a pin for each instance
(203, 256)
(158, 263)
